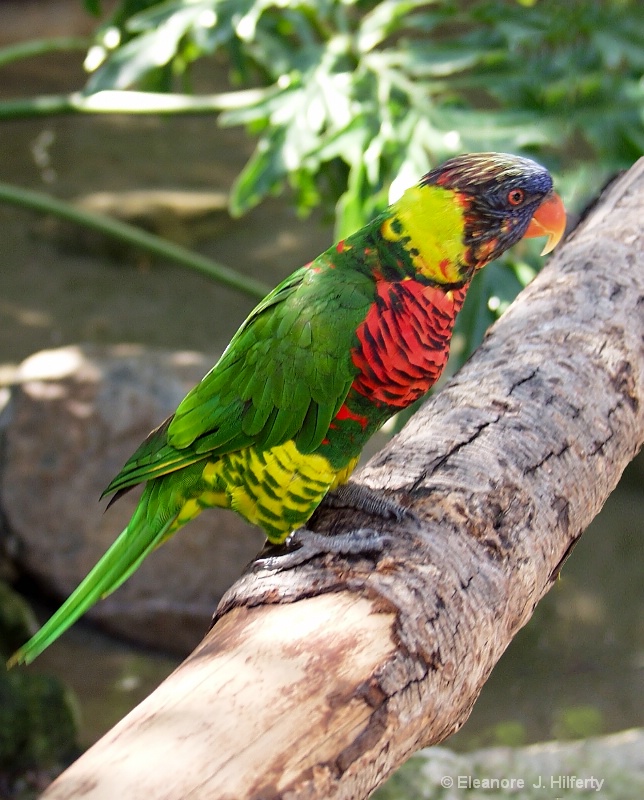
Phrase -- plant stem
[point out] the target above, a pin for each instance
(128, 102)
(38, 201)
(42, 106)
(38, 47)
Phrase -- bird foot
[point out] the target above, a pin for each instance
(361, 498)
(310, 544)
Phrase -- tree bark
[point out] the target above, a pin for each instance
(318, 681)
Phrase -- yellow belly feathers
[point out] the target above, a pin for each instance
(277, 489)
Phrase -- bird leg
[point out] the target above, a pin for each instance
(304, 544)
(310, 544)
(362, 498)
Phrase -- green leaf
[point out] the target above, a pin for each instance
(441, 61)
(349, 210)
(263, 174)
(384, 20)
(160, 32)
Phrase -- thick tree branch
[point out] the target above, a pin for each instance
(319, 681)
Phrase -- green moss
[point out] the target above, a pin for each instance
(17, 621)
(578, 722)
(38, 719)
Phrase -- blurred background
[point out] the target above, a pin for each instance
(267, 131)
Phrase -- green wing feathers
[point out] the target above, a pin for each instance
(153, 458)
(284, 375)
(289, 364)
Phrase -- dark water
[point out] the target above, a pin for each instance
(576, 669)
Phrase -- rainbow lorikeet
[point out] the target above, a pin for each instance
(322, 362)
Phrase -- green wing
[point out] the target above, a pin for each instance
(284, 375)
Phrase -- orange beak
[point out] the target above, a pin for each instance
(548, 220)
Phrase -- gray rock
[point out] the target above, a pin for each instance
(75, 415)
(610, 767)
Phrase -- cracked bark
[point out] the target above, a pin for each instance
(319, 681)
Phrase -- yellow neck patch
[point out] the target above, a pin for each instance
(432, 219)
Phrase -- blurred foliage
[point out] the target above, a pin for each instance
(350, 101)
(578, 722)
(350, 97)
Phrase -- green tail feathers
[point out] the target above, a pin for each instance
(118, 563)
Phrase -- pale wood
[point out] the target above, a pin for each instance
(317, 682)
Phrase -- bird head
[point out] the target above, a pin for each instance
(503, 199)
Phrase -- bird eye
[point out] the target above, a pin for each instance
(516, 197)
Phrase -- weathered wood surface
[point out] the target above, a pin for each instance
(317, 682)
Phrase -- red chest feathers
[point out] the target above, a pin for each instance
(404, 341)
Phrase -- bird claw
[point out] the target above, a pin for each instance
(361, 498)
(303, 544)
(311, 544)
